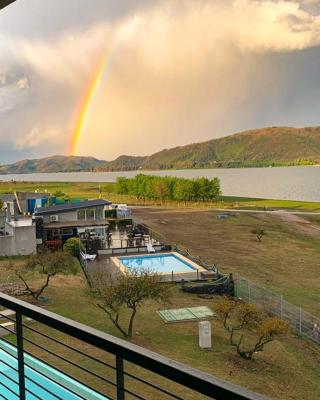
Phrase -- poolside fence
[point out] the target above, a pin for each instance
(300, 321)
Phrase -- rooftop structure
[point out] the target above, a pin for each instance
(63, 208)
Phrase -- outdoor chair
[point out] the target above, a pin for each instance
(90, 257)
(150, 248)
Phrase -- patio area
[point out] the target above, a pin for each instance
(122, 239)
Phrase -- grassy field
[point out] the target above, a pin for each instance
(83, 190)
(288, 369)
(286, 261)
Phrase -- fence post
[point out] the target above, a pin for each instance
(236, 280)
(172, 276)
(281, 307)
(249, 291)
(300, 321)
(120, 379)
(20, 354)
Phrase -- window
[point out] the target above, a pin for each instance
(81, 214)
(90, 213)
(66, 231)
(99, 212)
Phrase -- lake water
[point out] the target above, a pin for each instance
(288, 183)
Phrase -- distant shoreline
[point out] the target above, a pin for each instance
(148, 171)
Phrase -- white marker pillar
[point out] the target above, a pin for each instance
(205, 335)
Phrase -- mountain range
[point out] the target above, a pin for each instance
(253, 148)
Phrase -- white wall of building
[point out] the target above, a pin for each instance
(19, 240)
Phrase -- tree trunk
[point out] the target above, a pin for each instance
(130, 327)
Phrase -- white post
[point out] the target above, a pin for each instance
(205, 335)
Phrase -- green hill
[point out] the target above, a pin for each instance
(52, 164)
(253, 148)
(122, 163)
(259, 147)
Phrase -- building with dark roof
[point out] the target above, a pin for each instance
(59, 222)
(71, 207)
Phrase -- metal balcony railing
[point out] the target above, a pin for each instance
(49, 357)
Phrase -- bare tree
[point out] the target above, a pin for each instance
(129, 290)
(239, 318)
(48, 265)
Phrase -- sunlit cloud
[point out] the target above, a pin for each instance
(37, 137)
(23, 83)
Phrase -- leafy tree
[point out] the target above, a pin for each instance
(122, 185)
(184, 190)
(215, 190)
(171, 188)
(128, 291)
(74, 246)
(161, 189)
(59, 194)
(240, 318)
(259, 233)
(48, 265)
(204, 189)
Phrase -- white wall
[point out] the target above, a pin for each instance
(20, 241)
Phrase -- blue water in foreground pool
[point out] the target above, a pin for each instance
(161, 263)
(44, 385)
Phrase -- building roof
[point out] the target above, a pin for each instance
(7, 197)
(20, 223)
(61, 208)
(77, 224)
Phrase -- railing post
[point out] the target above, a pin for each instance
(20, 353)
(120, 378)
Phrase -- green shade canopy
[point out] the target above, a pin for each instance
(186, 314)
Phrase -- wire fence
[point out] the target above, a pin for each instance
(301, 322)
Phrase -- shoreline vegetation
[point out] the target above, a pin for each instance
(87, 190)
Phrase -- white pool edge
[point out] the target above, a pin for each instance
(167, 276)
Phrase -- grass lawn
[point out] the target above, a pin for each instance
(288, 369)
(87, 190)
(286, 261)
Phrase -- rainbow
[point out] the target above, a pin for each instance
(86, 105)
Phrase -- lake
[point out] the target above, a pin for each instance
(288, 183)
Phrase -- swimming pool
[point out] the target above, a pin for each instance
(166, 264)
(45, 382)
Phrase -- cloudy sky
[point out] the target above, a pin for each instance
(178, 71)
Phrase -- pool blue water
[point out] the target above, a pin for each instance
(158, 263)
(42, 386)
